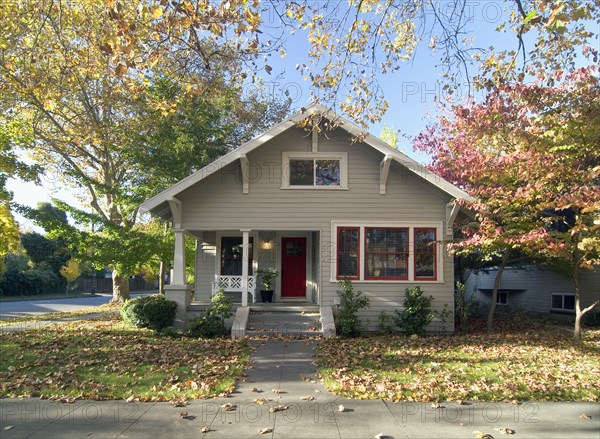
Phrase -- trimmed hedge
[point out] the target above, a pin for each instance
(153, 312)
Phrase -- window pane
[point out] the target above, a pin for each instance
(425, 253)
(424, 266)
(569, 302)
(386, 253)
(347, 252)
(328, 172)
(301, 172)
(557, 301)
(232, 255)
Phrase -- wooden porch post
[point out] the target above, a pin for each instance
(179, 277)
(178, 290)
(245, 259)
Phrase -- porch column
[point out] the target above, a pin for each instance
(245, 259)
(179, 277)
(178, 289)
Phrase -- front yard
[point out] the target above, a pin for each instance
(520, 362)
(105, 359)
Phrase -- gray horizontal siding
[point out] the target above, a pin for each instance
(218, 203)
(538, 283)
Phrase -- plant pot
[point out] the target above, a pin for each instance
(266, 295)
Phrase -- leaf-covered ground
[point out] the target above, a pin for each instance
(105, 359)
(514, 364)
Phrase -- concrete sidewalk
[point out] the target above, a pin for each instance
(283, 373)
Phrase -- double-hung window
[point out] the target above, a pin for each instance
(387, 253)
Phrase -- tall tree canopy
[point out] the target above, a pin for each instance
(529, 155)
(104, 122)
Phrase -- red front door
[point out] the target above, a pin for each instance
(293, 267)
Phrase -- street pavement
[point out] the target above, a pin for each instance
(296, 405)
(35, 307)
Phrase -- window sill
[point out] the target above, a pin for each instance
(318, 188)
(390, 281)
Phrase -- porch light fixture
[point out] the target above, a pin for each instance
(267, 245)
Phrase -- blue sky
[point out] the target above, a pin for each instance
(412, 91)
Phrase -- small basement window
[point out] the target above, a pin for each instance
(564, 302)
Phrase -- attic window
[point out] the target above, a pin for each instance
(314, 171)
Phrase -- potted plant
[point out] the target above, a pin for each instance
(266, 278)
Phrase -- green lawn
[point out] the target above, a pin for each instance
(105, 359)
(518, 363)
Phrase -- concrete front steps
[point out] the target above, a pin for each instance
(285, 320)
(286, 323)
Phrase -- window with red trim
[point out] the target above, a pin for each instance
(386, 253)
(425, 254)
(348, 260)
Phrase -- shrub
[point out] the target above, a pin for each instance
(347, 323)
(211, 323)
(417, 312)
(19, 279)
(152, 312)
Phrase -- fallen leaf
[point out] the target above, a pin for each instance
(132, 399)
(261, 401)
(183, 415)
(481, 435)
(265, 430)
(462, 424)
(205, 429)
(307, 398)
(255, 390)
(180, 402)
(229, 407)
(278, 408)
(584, 416)
(437, 405)
(341, 408)
(9, 427)
(505, 430)
(277, 391)
(380, 436)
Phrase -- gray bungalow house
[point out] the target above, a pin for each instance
(316, 206)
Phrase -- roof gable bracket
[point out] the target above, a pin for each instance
(384, 170)
(315, 139)
(245, 168)
(175, 206)
(452, 210)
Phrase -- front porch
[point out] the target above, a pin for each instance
(230, 260)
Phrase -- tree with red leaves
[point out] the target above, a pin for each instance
(529, 155)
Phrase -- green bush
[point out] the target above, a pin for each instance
(211, 323)
(347, 323)
(152, 312)
(417, 312)
(19, 279)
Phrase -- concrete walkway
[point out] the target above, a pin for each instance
(287, 367)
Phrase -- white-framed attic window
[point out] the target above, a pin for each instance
(314, 170)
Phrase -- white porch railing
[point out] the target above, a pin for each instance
(233, 284)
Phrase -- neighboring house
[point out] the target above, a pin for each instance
(316, 206)
(535, 288)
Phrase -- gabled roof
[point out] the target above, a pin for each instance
(159, 203)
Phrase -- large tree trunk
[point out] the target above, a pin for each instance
(120, 287)
(579, 313)
(492, 310)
